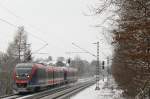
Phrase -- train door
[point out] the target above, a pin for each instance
(65, 75)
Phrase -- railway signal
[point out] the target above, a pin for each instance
(103, 64)
(69, 61)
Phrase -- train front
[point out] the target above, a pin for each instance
(22, 77)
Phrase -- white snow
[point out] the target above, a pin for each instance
(104, 92)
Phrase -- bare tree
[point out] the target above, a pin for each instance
(130, 65)
(19, 49)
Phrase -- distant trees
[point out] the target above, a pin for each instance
(49, 58)
(84, 67)
(3, 60)
(93, 67)
(60, 61)
(5, 74)
(46, 60)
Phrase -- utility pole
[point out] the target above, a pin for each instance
(20, 40)
(108, 67)
(97, 69)
(108, 70)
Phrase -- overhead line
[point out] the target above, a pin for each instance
(28, 25)
(106, 38)
(20, 18)
(103, 53)
(40, 49)
(84, 50)
(9, 11)
(26, 32)
(88, 51)
(8, 23)
(75, 52)
(103, 32)
(36, 37)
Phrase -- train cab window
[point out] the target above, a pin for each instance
(23, 73)
(20, 71)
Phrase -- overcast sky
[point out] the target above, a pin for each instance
(58, 22)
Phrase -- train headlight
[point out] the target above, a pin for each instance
(28, 76)
(17, 76)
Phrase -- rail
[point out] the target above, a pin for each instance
(12, 96)
(69, 92)
(54, 93)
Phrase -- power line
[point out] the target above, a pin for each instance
(102, 42)
(36, 37)
(84, 50)
(9, 11)
(88, 51)
(40, 48)
(39, 53)
(20, 18)
(5, 21)
(103, 53)
(75, 52)
(13, 25)
(106, 38)
(28, 25)
(104, 35)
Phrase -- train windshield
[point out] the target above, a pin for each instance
(20, 71)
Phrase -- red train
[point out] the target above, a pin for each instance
(32, 76)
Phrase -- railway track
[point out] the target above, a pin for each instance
(55, 93)
(68, 92)
(32, 95)
(62, 94)
(13, 96)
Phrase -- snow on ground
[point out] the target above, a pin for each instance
(107, 91)
(85, 79)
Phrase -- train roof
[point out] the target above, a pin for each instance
(49, 68)
(29, 65)
(24, 65)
